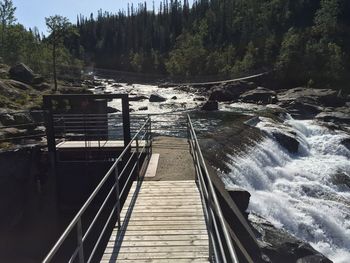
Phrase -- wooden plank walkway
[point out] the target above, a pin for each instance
(162, 221)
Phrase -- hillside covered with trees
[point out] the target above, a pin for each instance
(306, 42)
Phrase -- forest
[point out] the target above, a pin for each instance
(304, 42)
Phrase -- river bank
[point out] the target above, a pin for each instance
(252, 143)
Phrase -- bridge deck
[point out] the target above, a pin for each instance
(162, 221)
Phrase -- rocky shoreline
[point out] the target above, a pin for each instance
(236, 133)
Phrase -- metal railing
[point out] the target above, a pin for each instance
(221, 248)
(134, 151)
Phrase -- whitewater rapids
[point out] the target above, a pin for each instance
(297, 192)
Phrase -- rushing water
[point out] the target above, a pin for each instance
(300, 192)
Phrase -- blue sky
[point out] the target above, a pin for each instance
(32, 13)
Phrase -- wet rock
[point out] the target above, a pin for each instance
(229, 92)
(335, 116)
(199, 99)
(341, 179)
(156, 98)
(112, 110)
(287, 141)
(324, 97)
(280, 246)
(346, 143)
(23, 73)
(241, 198)
(210, 106)
(143, 108)
(301, 108)
(138, 98)
(116, 85)
(313, 259)
(259, 95)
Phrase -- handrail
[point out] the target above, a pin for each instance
(212, 206)
(77, 220)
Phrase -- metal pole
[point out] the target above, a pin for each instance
(138, 159)
(80, 241)
(117, 192)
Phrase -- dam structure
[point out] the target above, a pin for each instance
(138, 196)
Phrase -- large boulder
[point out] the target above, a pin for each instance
(288, 141)
(280, 246)
(229, 91)
(22, 73)
(334, 116)
(157, 98)
(138, 98)
(210, 106)
(259, 95)
(323, 97)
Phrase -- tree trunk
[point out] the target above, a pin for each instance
(54, 65)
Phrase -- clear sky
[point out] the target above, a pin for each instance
(32, 13)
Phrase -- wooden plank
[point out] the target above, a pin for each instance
(163, 232)
(167, 222)
(166, 202)
(159, 255)
(173, 260)
(162, 221)
(160, 243)
(167, 227)
(152, 166)
(162, 238)
(197, 218)
(175, 207)
(154, 248)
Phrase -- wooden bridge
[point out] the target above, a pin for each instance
(159, 205)
(163, 216)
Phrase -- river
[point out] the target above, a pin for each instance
(305, 193)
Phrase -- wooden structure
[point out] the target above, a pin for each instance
(161, 220)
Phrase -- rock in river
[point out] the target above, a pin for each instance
(210, 106)
(156, 98)
(259, 95)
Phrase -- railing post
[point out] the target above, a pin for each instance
(138, 159)
(80, 241)
(150, 134)
(117, 192)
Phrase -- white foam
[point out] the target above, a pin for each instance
(295, 192)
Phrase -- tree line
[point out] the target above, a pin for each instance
(305, 42)
(29, 46)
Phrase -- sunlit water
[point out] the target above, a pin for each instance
(295, 192)
(298, 192)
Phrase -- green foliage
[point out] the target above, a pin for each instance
(189, 56)
(305, 41)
